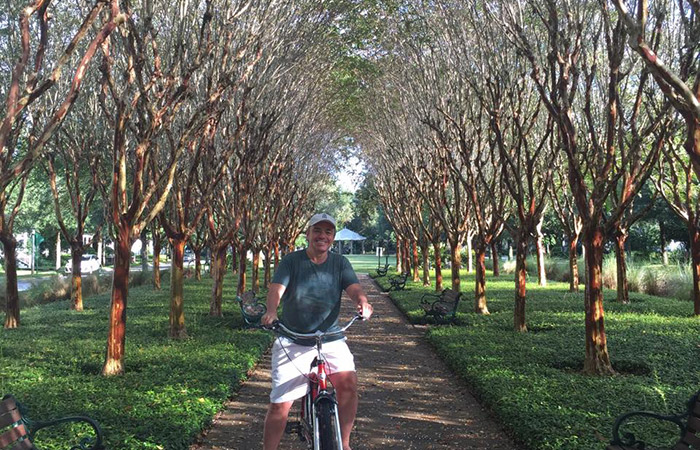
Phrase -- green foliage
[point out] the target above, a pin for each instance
(171, 389)
(338, 204)
(370, 220)
(533, 381)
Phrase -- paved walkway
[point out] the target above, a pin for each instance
(408, 398)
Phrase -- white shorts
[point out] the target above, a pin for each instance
(291, 363)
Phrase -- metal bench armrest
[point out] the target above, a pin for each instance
(627, 439)
(429, 298)
(86, 443)
(252, 310)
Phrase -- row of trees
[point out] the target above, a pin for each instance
(491, 112)
(202, 123)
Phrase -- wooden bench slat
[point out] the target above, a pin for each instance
(7, 418)
(12, 435)
(9, 413)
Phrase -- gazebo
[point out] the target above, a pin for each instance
(347, 235)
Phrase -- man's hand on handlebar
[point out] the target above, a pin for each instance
(365, 310)
(269, 318)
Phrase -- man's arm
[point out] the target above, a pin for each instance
(274, 296)
(357, 294)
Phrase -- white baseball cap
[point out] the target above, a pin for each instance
(322, 217)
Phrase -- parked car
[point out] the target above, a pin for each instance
(88, 264)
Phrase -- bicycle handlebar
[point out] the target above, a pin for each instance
(277, 325)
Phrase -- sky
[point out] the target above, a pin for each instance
(350, 176)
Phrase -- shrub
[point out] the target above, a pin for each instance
(636, 278)
(654, 282)
(680, 282)
(609, 271)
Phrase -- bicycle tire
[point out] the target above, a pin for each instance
(327, 416)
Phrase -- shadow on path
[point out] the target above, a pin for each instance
(409, 399)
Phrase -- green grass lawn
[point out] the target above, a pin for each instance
(533, 381)
(368, 263)
(171, 389)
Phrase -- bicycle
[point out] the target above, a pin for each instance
(318, 424)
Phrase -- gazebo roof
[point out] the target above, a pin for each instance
(348, 235)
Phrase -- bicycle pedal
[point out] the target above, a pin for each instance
(292, 427)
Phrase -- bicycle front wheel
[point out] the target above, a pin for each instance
(328, 425)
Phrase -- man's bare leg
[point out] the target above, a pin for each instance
(345, 384)
(275, 422)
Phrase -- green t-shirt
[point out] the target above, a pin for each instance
(311, 300)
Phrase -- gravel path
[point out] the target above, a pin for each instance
(408, 397)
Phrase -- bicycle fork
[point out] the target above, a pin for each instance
(309, 428)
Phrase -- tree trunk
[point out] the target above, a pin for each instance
(663, 242)
(416, 264)
(520, 281)
(255, 272)
(456, 256)
(573, 265)
(437, 249)
(177, 300)
(76, 285)
(267, 277)
(406, 252)
(100, 252)
(424, 249)
(470, 253)
(597, 359)
(156, 261)
(276, 249)
(144, 252)
(480, 306)
(218, 269)
(198, 264)
(695, 252)
(623, 295)
(539, 245)
(494, 258)
(58, 251)
(242, 262)
(116, 336)
(234, 260)
(9, 244)
(398, 255)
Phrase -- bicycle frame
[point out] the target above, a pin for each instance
(319, 406)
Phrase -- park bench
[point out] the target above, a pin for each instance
(252, 308)
(687, 422)
(383, 270)
(443, 306)
(398, 283)
(17, 432)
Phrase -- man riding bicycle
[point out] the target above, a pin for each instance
(309, 283)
